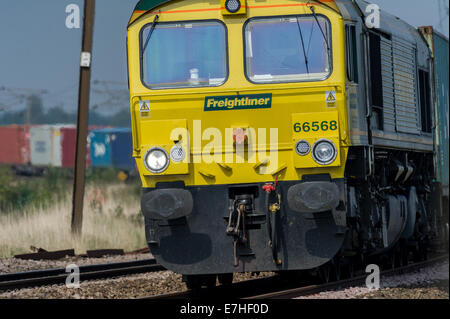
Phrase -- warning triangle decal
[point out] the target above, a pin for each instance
(331, 97)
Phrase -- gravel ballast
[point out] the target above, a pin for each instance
(434, 290)
(135, 286)
(123, 287)
(426, 283)
(9, 265)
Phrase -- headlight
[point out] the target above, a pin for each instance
(156, 160)
(302, 148)
(233, 5)
(324, 152)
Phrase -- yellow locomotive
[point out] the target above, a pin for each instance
(257, 136)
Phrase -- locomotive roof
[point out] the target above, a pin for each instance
(145, 5)
(389, 23)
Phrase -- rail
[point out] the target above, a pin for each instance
(36, 278)
(274, 288)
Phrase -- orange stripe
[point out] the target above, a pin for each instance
(288, 5)
(282, 5)
(181, 11)
(248, 7)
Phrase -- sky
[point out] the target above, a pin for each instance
(38, 52)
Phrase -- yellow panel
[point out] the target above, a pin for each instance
(160, 132)
(165, 134)
(312, 127)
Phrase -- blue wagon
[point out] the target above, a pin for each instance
(112, 148)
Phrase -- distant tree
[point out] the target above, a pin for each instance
(121, 118)
(12, 118)
(34, 113)
(57, 115)
(96, 118)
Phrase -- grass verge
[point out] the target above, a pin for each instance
(112, 219)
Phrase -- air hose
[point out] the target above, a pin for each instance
(273, 205)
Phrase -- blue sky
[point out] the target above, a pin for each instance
(37, 51)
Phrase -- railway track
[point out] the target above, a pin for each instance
(274, 288)
(359, 280)
(38, 278)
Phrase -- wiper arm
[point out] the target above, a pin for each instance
(320, 27)
(326, 5)
(155, 21)
(303, 46)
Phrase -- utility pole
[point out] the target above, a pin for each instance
(83, 116)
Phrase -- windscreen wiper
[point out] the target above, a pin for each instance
(303, 46)
(320, 27)
(155, 21)
(326, 5)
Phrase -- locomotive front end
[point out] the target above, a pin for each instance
(240, 133)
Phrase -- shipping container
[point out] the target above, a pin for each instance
(122, 150)
(15, 145)
(68, 143)
(112, 147)
(60, 149)
(46, 145)
(99, 143)
(69, 140)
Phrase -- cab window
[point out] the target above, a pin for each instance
(188, 54)
(288, 49)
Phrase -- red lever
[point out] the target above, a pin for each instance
(269, 187)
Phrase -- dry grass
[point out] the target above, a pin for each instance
(112, 219)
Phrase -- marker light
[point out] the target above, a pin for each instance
(233, 5)
(177, 154)
(302, 148)
(324, 152)
(156, 160)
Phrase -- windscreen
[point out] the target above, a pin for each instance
(288, 49)
(180, 55)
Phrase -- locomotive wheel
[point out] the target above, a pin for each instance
(351, 268)
(292, 275)
(225, 279)
(325, 272)
(336, 266)
(195, 282)
(393, 259)
(361, 261)
(403, 256)
(424, 253)
(416, 254)
(421, 253)
(210, 281)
